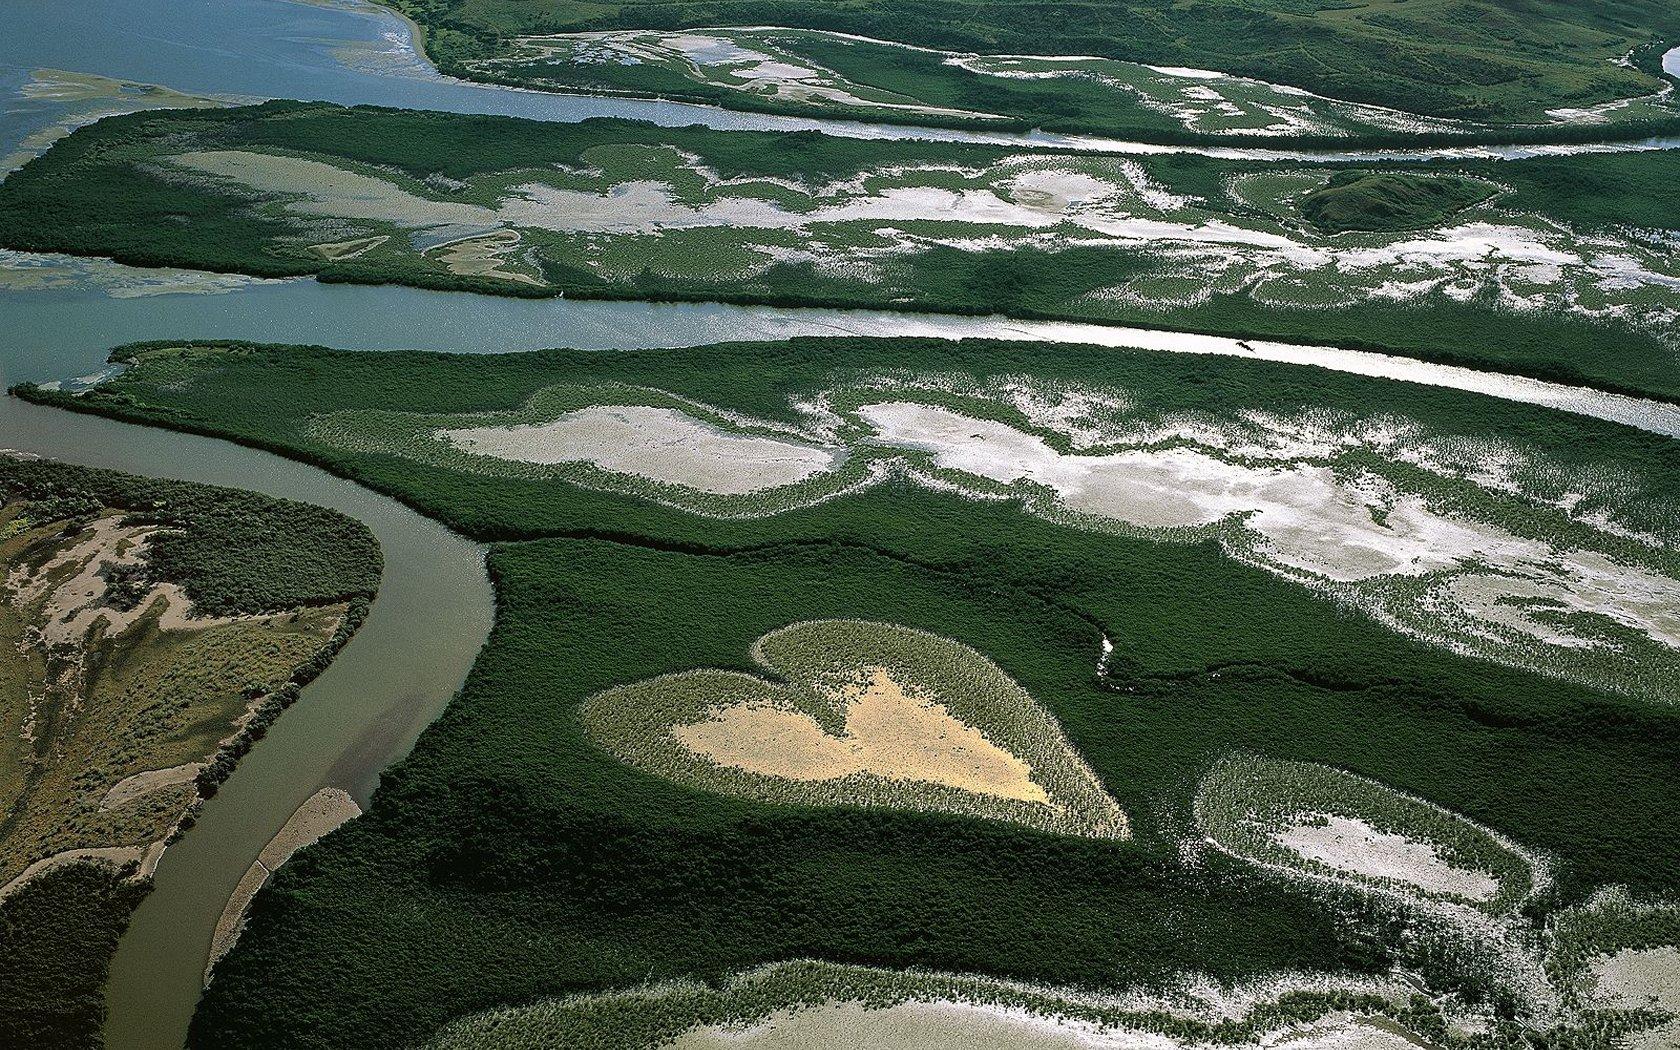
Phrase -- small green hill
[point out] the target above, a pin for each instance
(1384, 200)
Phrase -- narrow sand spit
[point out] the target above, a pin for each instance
(130, 788)
(1351, 845)
(323, 812)
(954, 1025)
(1642, 978)
(113, 856)
(660, 444)
(890, 733)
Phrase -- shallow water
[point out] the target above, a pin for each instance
(69, 330)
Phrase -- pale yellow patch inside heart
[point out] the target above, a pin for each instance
(890, 733)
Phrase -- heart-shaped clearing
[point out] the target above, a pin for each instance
(870, 714)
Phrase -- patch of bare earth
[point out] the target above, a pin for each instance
(484, 256)
(891, 733)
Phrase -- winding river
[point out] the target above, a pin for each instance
(434, 607)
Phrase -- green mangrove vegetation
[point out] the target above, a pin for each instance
(1453, 59)
(59, 931)
(1357, 200)
(1135, 686)
(514, 858)
(1537, 278)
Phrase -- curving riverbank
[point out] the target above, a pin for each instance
(422, 633)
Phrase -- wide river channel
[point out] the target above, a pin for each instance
(435, 606)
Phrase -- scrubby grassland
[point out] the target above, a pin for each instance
(1450, 58)
(511, 857)
(1541, 279)
(153, 630)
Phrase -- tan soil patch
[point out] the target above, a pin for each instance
(483, 256)
(114, 856)
(890, 733)
(72, 587)
(130, 788)
(336, 250)
(321, 813)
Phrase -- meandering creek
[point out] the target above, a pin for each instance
(435, 606)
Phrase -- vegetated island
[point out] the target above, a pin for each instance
(1544, 267)
(1308, 790)
(153, 630)
(1436, 68)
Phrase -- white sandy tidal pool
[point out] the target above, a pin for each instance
(660, 444)
(1303, 518)
(1351, 845)
(956, 1025)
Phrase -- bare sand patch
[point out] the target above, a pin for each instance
(323, 812)
(483, 256)
(891, 733)
(660, 444)
(1642, 979)
(1307, 518)
(132, 787)
(957, 1025)
(71, 584)
(330, 191)
(111, 856)
(1351, 845)
(73, 590)
(914, 1026)
(1304, 518)
(336, 250)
